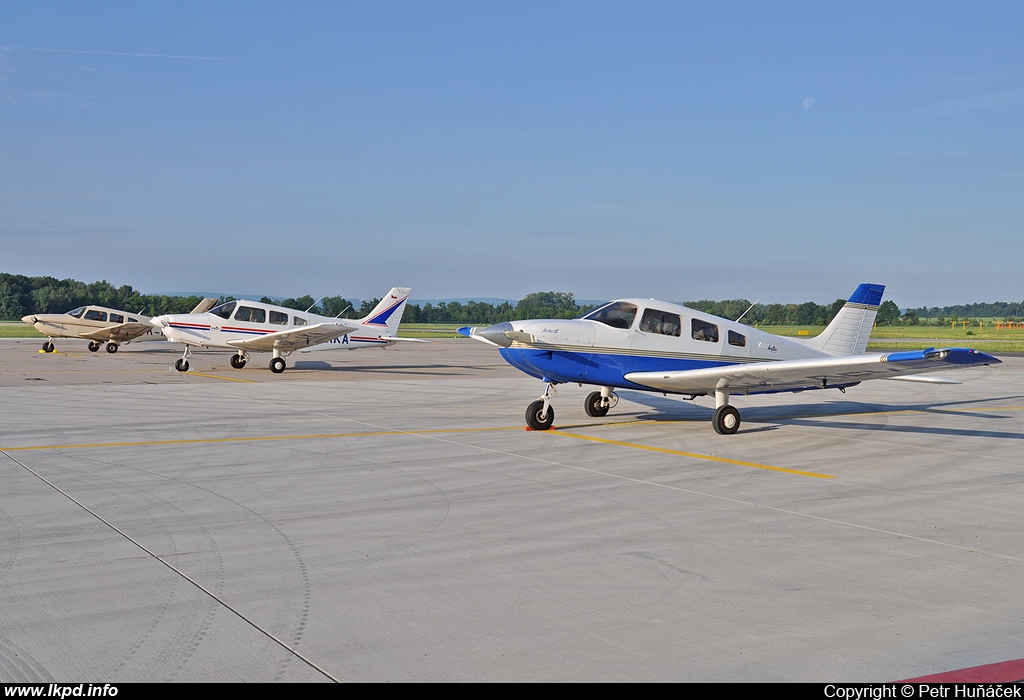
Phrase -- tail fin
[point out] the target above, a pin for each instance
(849, 331)
(386, 316)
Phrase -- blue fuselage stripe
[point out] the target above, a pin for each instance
(604, 369)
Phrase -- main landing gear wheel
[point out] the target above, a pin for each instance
(277, 365)
(181, 365)
(238, 362)
(111, 348)
(726, 420)
(537, 418)
(93, 346)
(593, 405)
(48, 346)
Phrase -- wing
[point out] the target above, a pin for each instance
(120, 333)
(295, 338)
(817, 373)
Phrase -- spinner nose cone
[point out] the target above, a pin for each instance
(160, 321)
(30, 319)
(495, 334)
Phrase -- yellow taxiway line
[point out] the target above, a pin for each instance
(379, 433)
(693, 455)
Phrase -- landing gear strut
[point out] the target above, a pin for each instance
(539, 414)
(182, 364)
(725, 419)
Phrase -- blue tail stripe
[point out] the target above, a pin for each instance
(868, 294)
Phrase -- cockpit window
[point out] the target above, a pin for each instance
(660, 322)
(77, 313)
(618, 314)
(224, 310)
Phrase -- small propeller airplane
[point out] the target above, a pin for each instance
(650, 345)
(254, 326)
(99, 325)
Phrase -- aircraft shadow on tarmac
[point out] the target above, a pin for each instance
(431, 369)
(665, 409)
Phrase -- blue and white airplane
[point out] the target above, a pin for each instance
(650, 345)
(254, 326)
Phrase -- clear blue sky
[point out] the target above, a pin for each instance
(681, 150)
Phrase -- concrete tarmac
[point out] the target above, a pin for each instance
(384, 516)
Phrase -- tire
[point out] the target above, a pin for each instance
(237, 361)
(593, 406)
(277, 365)
(93, 346)
(111, 348)
(181, 365)
(533, 416)
(726, 420)
(48, 346)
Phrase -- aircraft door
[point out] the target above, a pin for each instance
(658, 332)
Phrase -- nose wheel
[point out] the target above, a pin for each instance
(48, 346)
(93, 346)
(238, 361)
(182, 364)
(538, 417)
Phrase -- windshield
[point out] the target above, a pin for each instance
(77, 313)
(224, 310)
(618, 314)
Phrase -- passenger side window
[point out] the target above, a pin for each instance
(94, 315)
(702, 330)
(116, 318)
(660, 322)
(248, 313)
(299, 321)
(278, 318)
(737, 339)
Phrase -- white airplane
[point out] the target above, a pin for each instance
(254, 326)
(98, 325)
(650, 345)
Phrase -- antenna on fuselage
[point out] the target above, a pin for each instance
(313, 304)
(748, 309)
(343, 311)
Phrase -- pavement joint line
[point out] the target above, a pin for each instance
(251, 438)
(221, 601)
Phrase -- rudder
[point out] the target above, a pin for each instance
(386, 316)
(849, 331)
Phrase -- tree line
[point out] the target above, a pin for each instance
(21, 295)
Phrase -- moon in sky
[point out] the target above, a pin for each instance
(808, 102)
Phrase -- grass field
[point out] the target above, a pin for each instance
(987, 339)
